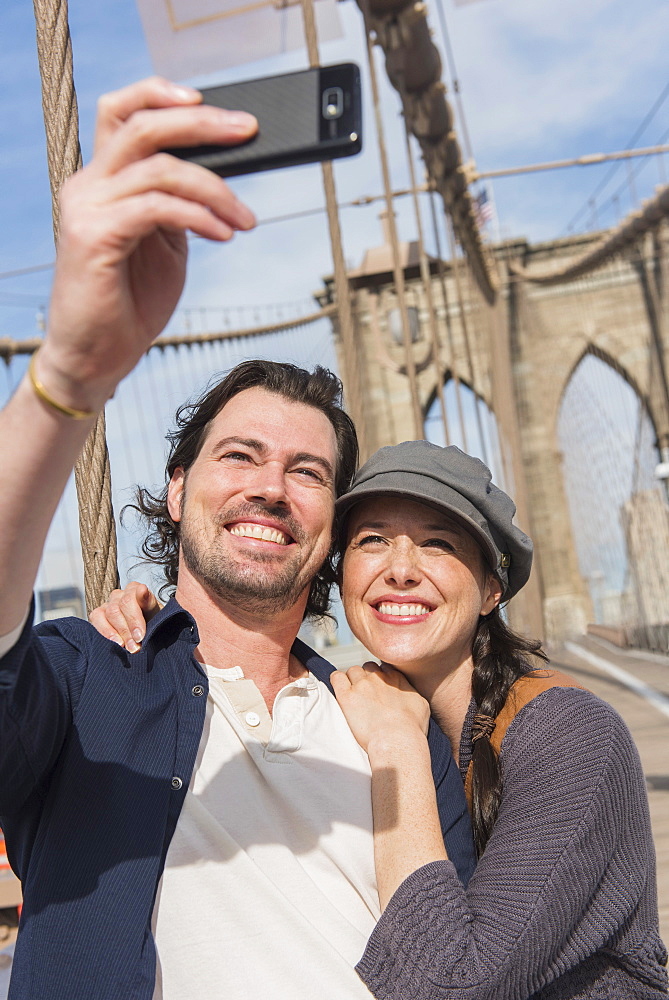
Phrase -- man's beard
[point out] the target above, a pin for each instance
(254, 580)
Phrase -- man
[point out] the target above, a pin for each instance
(193, 820)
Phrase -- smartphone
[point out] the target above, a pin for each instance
(303, 117)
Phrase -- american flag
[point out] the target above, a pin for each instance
(483, 208)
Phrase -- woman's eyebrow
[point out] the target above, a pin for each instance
(371, 526)
(443, 527)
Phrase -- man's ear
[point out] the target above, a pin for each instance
(175, 491)
(339, 572)
(339, 562)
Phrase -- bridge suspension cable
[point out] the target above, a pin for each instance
(92, 472)
(418, 429)
(629, 232)
(413, 65)
(9, 347)
(426, 278)
(635, 137)
(587, 160)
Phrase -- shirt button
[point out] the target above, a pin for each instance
(252, 719)
(198, 690)
(176, 783)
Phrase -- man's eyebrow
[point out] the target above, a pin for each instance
(305, 456)
(261, 448)
(251, 443)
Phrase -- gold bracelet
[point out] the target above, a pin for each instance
(65, 411)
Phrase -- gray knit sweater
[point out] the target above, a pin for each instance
(563, 902)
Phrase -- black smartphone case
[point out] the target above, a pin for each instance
(292, 129)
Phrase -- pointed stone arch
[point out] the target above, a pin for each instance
(593, 350)
(522, 357)
(607, 436)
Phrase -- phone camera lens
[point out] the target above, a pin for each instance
(333, 103)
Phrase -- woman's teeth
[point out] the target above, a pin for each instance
(403, 610)
(258, 531)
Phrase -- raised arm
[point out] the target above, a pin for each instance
(120, 270)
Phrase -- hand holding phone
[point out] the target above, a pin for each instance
(303, 117)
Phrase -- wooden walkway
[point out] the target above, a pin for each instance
(648, 724)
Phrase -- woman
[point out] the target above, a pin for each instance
(563, 900)
(562, 903)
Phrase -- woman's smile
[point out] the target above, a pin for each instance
(402, 610)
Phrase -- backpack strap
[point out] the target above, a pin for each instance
(521, 693)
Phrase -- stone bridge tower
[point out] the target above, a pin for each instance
(518, 356)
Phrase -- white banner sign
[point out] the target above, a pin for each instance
(190, 38)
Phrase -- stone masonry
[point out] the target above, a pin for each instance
(518, 356)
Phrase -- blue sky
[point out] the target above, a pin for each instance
(539, 81)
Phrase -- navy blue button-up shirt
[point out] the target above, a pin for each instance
(97, 749)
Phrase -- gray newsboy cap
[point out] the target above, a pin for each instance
(451, 481)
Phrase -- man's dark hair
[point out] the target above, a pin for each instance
(320, 389)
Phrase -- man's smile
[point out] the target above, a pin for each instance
(263, 532)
